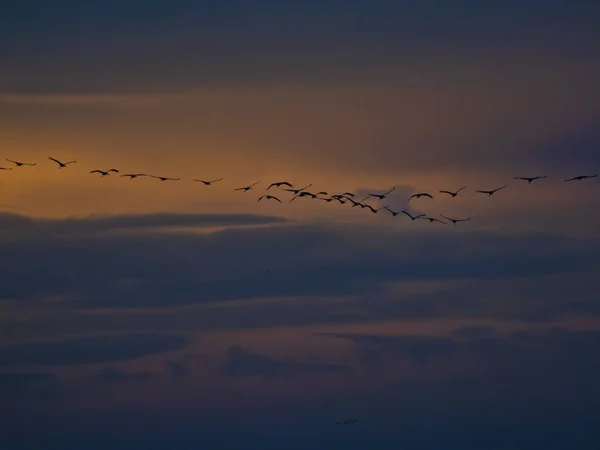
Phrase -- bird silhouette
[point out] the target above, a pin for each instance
(581, 177)
(303, 194)
(530, 179)
(61, 164)
(393, 213)
(103, 173)
(433, 219)
(455, 221)
(297, 191)
(164, 178)
(384, 195)
(493, 191)
(208, 182)
(19, 163)
(422, 194)
(280, 183)
(373, 210)
(453, 194)
(247, 188)
(134, 175)
(411, 216)
(272, 197)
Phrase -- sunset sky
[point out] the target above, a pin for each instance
(141, 314)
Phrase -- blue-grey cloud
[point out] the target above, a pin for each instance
(89, 350)
(245, 363)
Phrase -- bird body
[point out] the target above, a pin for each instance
(61, 164)
(268, 197)
(421, 194)
(493, 191)
(581, 177)
(297, 191)
(247, 188)
(411, 216)
(279, 184)
(208, 182)
(453, 194)
(104, 173)
(384, 195)
(19, 163)
(530, 179)
(455, 221)
(164, 178)
(134, 175)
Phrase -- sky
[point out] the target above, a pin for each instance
(142, 314)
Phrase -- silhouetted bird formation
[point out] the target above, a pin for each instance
(343, 198)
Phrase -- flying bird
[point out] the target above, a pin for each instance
(134, 175)
(209, 182)
(411, 216)
(303, 194)
(422, 194)
(103, 173)
(433, 219)
(348, 194)
(530, 179)
(490, 193)
(453, 194)
(61, 164)
(164, 178)
(455, 221)
(272, 197)
(247, 188)
(297, 191)
(394, 213)
(384, 195)
(19, 163)
(581, 177)
(373, 210)
(280, 183)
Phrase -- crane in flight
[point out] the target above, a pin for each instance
(61, 164)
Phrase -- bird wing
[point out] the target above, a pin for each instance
(427, 195)
(214, 181)
(55, 160)
(391, 190)
(413, 196)
(113, 170)
(275, 198)
(10, 160)
(447, 192)
(70, 162)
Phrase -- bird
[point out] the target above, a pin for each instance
(347, 422)
(208, 182)
(303, 194)
(530, 179)
(164, 178)
(433, 219)
(490, 193)
(103, 173)
(5, 168)
(384, 195)
(581, 177)
(296, 191)
(373, 210)
(134, 175)
(61, 164)
(348, 194)
(247, 188)
(19, 163)
(280, 183)
(422, 194)
(411, 216)
(394, 213)
(455, 221)
(268, 197)
(453, 194)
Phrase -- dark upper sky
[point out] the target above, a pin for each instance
(140, 314)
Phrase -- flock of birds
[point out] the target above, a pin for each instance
(342, 198)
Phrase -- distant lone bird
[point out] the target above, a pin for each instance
(453, 194)
(455, 221)
(297, 191)
(384, 195)
(422, 194)
(347, 422)
(268, 197)
(247, 188)
(433, 219)
(165, 178)
(581, 177)
(209, 182)
(61, 164)
(492, 192)
(19, 163)
(530, 179)
(134, 175)
(411, 216)
(103, 173)
(280, 183)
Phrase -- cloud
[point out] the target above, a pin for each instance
(89, 350)
(112, 375)
(13, 223)
(245, 363)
